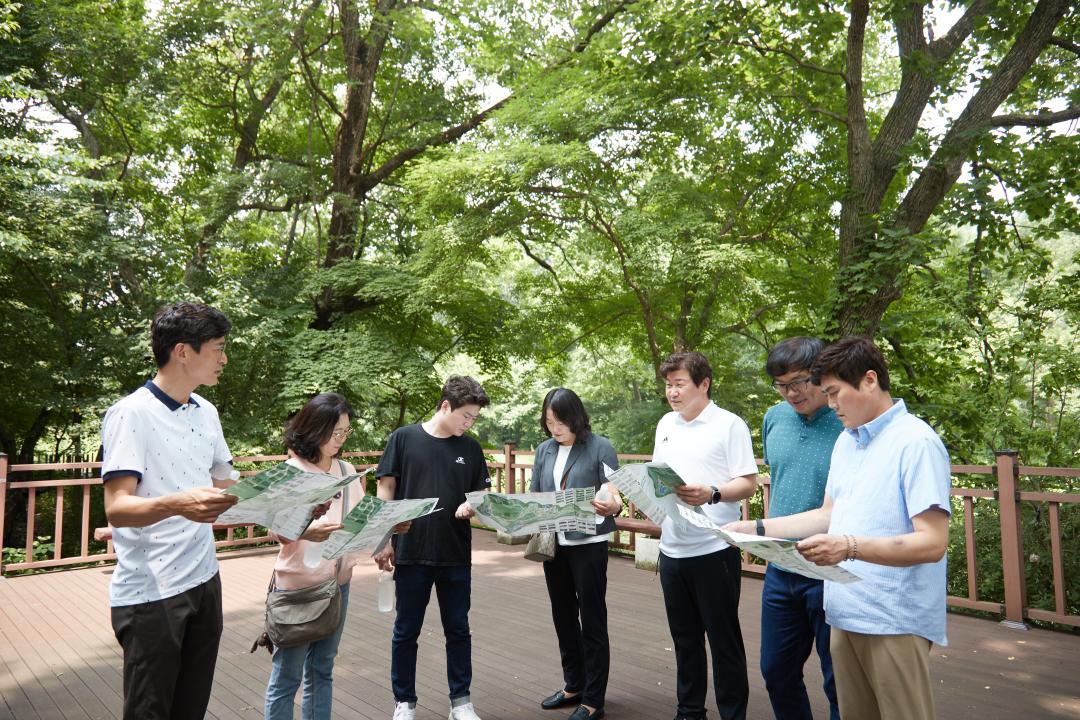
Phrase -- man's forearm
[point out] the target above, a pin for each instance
(800, 525)
(135, 511)
(738, 488)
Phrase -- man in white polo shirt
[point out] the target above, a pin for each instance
(162, 445)
(700, 575)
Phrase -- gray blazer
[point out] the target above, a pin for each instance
(584, 469)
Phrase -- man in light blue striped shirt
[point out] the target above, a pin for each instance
(886, 516)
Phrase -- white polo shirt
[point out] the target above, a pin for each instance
(711, 449)
(170, 447)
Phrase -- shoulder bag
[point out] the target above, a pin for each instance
(541, 547)
(304, 615)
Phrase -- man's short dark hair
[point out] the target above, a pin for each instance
(795, 353)
(694, 363)
(848, 359)
(569, 410)
(461, 390)
(185, 322)
(310, 428)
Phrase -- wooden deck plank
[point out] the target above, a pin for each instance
(60, 659)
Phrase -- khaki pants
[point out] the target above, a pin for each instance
(882, 677)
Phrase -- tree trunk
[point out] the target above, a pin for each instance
(875, 250)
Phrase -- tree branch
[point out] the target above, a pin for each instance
(1065, 44)
(1041, 119)
(762, 49)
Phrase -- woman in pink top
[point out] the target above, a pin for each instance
(314, 437)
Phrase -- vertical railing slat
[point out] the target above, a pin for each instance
(1056, 559)
(1012, 539)
(84, 544)
(58, 524)
(31, 502)
(969, 547)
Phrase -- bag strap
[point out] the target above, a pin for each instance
(566, 470)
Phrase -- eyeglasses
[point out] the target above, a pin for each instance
(341, 434)
(793, 386)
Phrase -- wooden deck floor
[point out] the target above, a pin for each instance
(58, 658)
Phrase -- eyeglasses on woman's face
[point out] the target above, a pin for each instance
(342, 433)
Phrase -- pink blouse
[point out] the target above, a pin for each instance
(291, 571)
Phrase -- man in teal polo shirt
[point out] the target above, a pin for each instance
(797, 438)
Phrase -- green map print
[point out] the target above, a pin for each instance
(249, 487)
(664, 479)
(515, 514)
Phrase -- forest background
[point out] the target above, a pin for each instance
(541, 194)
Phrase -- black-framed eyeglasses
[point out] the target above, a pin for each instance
(341, 434)
(796, 385)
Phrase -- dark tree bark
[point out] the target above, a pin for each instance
(874, 248)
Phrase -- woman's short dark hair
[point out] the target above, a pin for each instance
(848, 359)
(461, 390)
(185, 322)
(795, 353)
(312, 426)
(570, 411)
(694, 363)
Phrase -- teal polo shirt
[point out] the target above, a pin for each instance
(797, 451)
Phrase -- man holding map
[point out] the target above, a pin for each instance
(885, 516)
(165, 462)
(700, 574)
(797, 438)
(428, 460)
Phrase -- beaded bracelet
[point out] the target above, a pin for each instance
(854, 548)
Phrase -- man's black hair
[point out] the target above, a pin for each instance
(694, 363)
(185, 322)
(848, 359)
(461, 390)
(795, 353)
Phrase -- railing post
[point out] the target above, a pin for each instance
(3, 505)
(1012, 538)
(508, 467)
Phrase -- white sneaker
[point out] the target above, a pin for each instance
(463, 712)
(404, 711)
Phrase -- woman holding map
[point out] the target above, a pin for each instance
(314, 438)
(576, 577)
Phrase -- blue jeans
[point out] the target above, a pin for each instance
(453, 586)
(314, 664)
(792, 622)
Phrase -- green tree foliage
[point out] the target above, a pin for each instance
(380, 193)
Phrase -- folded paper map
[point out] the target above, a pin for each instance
(777, 550)
(528, 513)
(282, 499)
(371, 523)
(651, 487)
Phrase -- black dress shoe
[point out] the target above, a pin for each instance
(560, 699)
(582, 714)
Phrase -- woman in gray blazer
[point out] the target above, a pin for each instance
(577, 576)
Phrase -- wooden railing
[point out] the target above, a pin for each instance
(511, 472)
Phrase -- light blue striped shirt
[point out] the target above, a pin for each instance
(883, 474)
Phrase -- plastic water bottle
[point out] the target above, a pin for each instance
(313, 554)
(386, 591)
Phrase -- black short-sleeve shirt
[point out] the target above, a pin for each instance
(446, 468)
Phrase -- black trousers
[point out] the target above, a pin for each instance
(701, 595)
(170, 649)
(577, 585)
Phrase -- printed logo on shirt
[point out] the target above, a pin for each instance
(460, 460)
(664, 440)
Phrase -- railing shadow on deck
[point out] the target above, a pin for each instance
(511, 470)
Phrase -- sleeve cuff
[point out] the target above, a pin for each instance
(121, 473)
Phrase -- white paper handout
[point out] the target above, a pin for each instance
(778, 550)
(371, 523)
(528, 513)
(651, 487)
(282, 499)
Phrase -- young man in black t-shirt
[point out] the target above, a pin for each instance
(435, 459)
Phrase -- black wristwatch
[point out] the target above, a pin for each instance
(715, 495)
